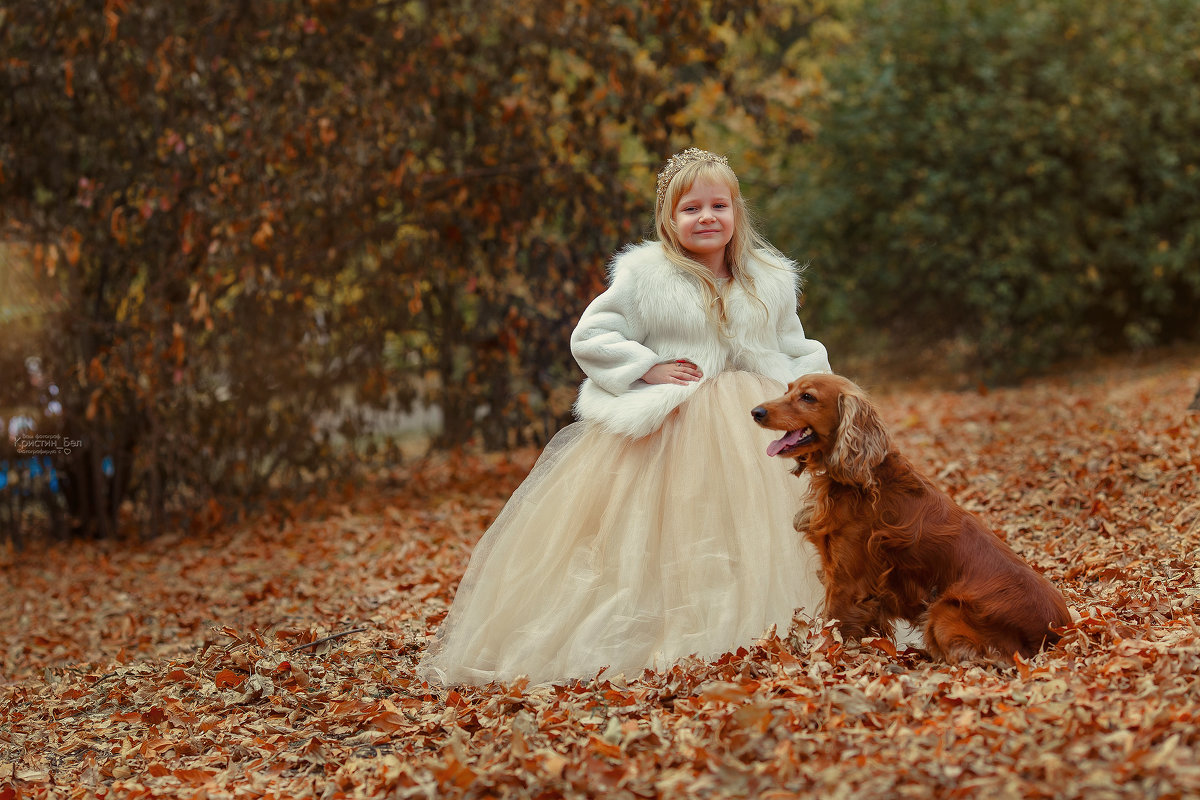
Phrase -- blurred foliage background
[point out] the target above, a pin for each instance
(235, 237)
(1014, 181)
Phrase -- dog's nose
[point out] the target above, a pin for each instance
(759, 414)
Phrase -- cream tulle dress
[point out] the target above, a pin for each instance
(628, 554)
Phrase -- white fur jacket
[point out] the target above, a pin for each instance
(653, 312)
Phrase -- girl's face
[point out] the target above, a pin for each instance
(704, 218)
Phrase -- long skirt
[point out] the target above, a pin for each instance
(624, 554)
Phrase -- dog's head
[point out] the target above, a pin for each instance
(829, 424)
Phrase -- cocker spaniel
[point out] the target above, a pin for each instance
(894, 546)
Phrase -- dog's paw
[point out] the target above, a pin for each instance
(803, 520)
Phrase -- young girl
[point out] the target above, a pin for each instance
(657, 526)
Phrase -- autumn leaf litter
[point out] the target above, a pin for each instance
(276, 659)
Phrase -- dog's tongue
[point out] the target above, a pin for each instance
(782, 443)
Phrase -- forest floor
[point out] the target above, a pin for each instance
(275, 658)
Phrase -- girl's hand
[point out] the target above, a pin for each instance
(680, 371)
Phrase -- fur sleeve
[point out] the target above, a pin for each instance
(805, 355)
(606, 340)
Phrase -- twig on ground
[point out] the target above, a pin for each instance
(329, 638)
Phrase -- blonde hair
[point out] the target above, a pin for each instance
(746, 238)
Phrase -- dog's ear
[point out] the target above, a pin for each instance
(861, 444)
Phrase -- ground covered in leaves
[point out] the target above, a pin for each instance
(275, 659)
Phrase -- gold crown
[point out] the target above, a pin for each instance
(678, 162)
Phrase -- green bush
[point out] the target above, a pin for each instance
(1017, 175)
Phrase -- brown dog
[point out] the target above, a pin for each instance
(893, 546)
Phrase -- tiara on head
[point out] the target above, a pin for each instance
(678, 162)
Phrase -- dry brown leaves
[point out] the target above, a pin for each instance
(195, 668)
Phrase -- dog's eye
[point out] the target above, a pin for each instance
(808, 398)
